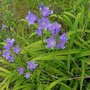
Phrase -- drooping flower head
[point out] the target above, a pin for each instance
(54, 28)
(51, 42)
(39, 32)
(27, 75)
(9, 43)
(21, 70)
(45, 11)
(16, 50)
(31, 18)
(3, 26)
(31, 65)
(43, 23)
(63, 39)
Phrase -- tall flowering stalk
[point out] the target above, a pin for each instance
(44, 25)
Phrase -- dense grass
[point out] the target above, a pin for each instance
(58, 69)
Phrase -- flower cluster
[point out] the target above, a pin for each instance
(31, 66)
(7, 49)
(44, 24)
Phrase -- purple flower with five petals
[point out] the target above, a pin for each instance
(31, 18)
(16, 50)
(54, 28)
(63, 40)
(6, 54)
(45, 11)
(21, 70)
(31, 65)
(9, 43)
(43, 23)
(51, 42)
(27, 75)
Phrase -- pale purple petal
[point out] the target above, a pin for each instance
(27, 75)
(9, 43)
(51, 42)
(63, 41)
(39, 32)
(43, 23)
(16, 50)
(6, 54)
(54, 28)
(7, 47)
(21, 70)
(61, 45)
(45, 11)
(11, 59)
(31, 18)
(63, 37)
(31, 65)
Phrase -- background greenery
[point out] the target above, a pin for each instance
(58, 69)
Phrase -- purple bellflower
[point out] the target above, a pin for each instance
(51, 42)
(27, 75)
(31, 65)
(45, 10)
(31, 18)
(16, 50)
(39, 32)
(21, 70)
(9, 43)
(7, 55)
(63, 40)
(43, 23)
(54, 28)
(11, 59)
